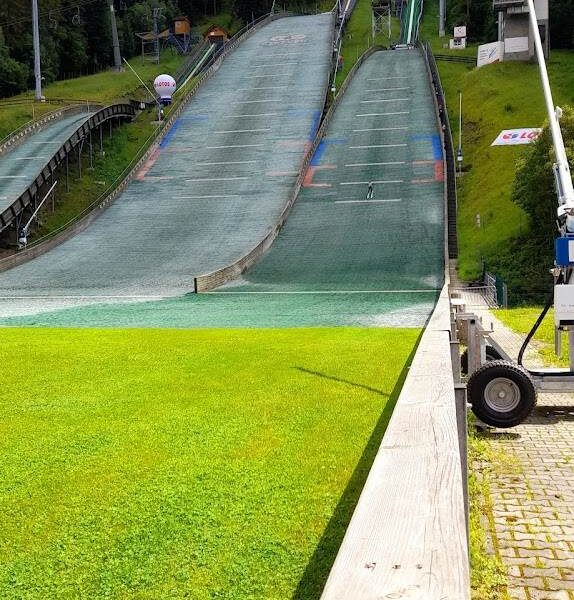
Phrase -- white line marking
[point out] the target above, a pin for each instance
(255, 101)
(231, 162)
(216, 179)
(367, 182)
(202, 197)
(237, 146)
(385, 78)
(251, 115)
(30, 157)
(243, 130)
(388, 89)
(385, 100)
(78, 297)
(430, 291)
(268, 87)
(380, 129)
(381, 146)
(274, 64)
(376, 164)
(406, 112)
(13, 176)
(368, 201)
(267, 75)
(46, 142)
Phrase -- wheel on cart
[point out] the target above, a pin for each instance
(501, 393)
(491, 354)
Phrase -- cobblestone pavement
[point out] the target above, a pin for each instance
(533, 498)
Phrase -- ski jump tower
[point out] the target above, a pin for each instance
(515, 31)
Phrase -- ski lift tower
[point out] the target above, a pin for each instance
(381, 16)
(515, 31)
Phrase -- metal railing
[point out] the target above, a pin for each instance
(17, 136)
(449, 152)
(25, 198)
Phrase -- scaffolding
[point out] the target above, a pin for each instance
(381, 16)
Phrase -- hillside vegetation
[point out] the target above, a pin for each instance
(496, 97)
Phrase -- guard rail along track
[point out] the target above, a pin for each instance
(120, 111)
(450, 174)
(89, 214)
(208, 281)
(14, 139)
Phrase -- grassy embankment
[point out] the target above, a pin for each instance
(105, 87)
(495, 97)
(202, 464)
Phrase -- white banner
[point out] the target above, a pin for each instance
(489, 53)
(512, 137)
(516, 44)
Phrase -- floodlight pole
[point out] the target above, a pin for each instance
(459, 154)
(115, 40)
(441, 19)
(36, 40)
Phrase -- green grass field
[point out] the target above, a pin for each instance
(522, 320)
(186, 464)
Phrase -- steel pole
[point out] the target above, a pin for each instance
(36, 40)
(115, 40)
(459, 156)
(441, 19)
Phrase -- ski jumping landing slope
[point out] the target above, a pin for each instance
(343, 236)
(213, 189)
(342, 258)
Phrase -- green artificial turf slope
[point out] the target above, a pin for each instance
(157, 464)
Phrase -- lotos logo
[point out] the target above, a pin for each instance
(510, 137)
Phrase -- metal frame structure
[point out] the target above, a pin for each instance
(115, 111)
(381, 15)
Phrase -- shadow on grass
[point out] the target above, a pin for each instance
(315, 576)
(332, 378)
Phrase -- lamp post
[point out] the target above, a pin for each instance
(459, 151)
(36, 41)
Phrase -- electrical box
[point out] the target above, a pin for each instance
(564, 247)
(564, 305)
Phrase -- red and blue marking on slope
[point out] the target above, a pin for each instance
(437, 157)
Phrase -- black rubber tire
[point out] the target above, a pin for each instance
(498, 383)
(491, 354)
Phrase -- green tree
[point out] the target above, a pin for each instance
(13, 75)
(533, 190)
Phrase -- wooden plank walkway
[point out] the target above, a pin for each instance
(407, 537)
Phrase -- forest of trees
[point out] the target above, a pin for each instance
(480, 20)
(76, 38)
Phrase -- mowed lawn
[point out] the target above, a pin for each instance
(186, 463)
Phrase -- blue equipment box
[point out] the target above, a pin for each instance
(564, 251)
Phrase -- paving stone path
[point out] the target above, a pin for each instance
(533, 498)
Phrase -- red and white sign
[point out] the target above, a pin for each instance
(489, 53)
(460, 32)
(513, 137)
